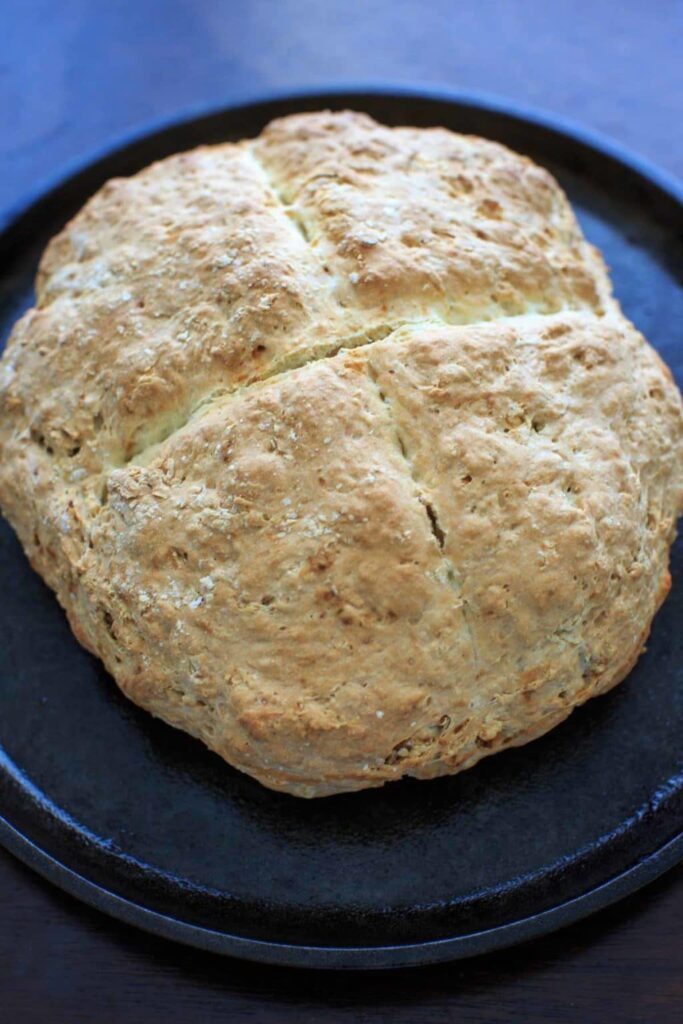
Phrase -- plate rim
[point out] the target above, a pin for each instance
(626, 882)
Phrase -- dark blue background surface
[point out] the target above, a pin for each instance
(76, 73)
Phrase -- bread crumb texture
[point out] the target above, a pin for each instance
(337, 450)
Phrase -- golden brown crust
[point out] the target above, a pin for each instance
(338, 452)
(425, 224)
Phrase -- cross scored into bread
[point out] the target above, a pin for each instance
(338, 452)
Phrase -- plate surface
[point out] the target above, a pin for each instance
(143, 822)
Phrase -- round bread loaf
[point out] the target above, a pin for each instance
(338, 452)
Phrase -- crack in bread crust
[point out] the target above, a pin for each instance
(209, 400)
(424, 499)
(427, 501)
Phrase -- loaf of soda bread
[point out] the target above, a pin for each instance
(337, 450)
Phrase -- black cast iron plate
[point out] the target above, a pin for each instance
(145, 823)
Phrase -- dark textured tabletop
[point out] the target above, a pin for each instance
(75, 74)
